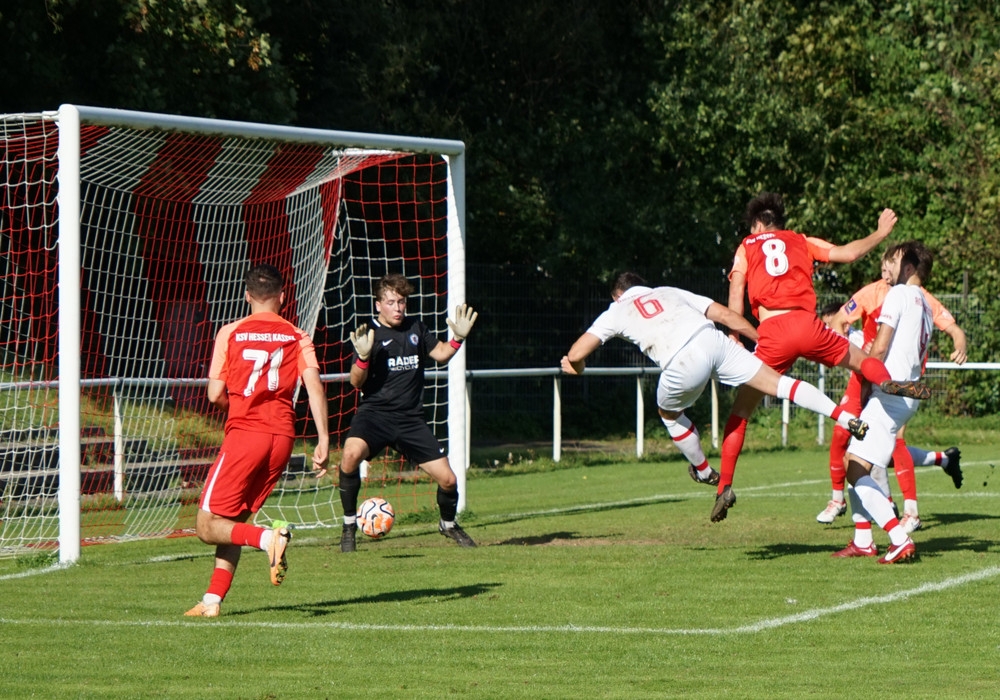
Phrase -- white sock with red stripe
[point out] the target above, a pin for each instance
(807, 396)
(685, 436)
(879, 508)
(924, 458)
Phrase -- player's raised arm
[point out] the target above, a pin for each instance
(461, 326)
(849, 252)
(363, 339)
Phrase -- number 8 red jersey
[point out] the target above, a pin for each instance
(260, 358)
(779, 267)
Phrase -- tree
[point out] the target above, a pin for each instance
(203, 58)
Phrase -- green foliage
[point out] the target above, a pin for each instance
(205, 58)
(602, 135)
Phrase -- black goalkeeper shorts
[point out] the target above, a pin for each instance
(407, 434)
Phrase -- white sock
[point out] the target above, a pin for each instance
(807, 396)
(350, 519)
(910, 507)
(878, 506)
(858, 512)
(447, 524)
(265, 539)
(685, 436)
(211, 599)
(920, 457)
(863, 535)
(881, 477)
(838, 495)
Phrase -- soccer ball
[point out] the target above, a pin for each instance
(375, 517)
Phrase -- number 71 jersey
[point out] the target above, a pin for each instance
(779, 267)
(260, 358)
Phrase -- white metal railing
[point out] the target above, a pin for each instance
(638, 373)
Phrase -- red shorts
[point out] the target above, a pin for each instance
(789, 336)
(245, 472)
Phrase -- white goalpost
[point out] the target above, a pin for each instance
(124, 239)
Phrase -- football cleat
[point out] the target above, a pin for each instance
(723, 502)
(857, 428)
(954, 470)
(910, 523)
(898, 553)
(204, 610)
(712, 480)
(834, 509)
(909, 390)
(458, 534)
(348, 538)
(853, 550)
(276, 551)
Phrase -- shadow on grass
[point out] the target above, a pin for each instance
(952, 518)
(942, 545)
(573, 510)
(781, 549)
(547, 539)
(328, 607)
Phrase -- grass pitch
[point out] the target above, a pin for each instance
(599, 581)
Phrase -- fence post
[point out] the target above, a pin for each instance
(119, 440)
(821, 423)
(556, 418)
(785, 403)
(640, 412)
(715, 413)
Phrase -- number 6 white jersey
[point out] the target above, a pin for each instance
(658, 321)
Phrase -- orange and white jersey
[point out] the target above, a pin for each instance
(779, 269)
(866, 303)
(659, 321)
(260, 358)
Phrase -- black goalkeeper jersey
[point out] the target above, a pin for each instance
(396, 367)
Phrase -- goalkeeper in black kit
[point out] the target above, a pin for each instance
(389, 363)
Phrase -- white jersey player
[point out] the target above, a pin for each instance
(676, 330)
(904, 329)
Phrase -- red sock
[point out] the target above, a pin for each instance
(838, 451)
(732, 445)
(874, 371)
(220, 583)
(903, 465)
(247, 535)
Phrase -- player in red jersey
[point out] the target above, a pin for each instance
(865, 306)
(774, 268)
(256, 365)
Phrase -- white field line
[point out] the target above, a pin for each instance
(771, 623)
(761, 626)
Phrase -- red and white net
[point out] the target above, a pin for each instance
(170, 221)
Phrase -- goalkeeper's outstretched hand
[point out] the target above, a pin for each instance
(465, 317)
(363, 339)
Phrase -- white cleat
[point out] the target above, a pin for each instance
(910, 523)
(833, 510)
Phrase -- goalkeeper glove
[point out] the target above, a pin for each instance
(363, 340)
(465, 317)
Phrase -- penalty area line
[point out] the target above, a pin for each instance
(761, 626)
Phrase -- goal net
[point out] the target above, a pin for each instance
(125, 237)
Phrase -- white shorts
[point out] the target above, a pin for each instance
(710, 352)
(885, 415)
